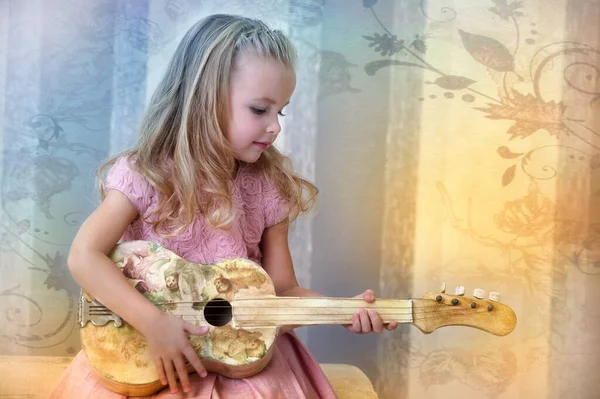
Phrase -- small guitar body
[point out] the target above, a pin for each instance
(236, 299)
(201, 294)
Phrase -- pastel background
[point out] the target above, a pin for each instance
(454, 141)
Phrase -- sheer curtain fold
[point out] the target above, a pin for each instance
(451, 141)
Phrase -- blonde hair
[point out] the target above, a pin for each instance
(182, 148)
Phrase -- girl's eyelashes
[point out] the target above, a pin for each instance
(261, 111)
(258, 111)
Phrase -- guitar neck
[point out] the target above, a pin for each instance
(279, 311)
(428, 313)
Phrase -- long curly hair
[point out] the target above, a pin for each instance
(182, 148)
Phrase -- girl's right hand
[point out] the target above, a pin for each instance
(169, 344)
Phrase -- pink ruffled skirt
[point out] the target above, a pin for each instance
(292, 373)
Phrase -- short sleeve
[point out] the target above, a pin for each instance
(124, 178)
(276, 207)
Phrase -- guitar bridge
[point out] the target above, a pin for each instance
(96, 313)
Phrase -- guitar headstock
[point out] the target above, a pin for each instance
(438, 309)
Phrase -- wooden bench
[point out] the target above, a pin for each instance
(34, 377)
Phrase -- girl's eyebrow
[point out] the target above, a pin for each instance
(269, 100)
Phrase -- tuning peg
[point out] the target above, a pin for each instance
(478, 293)
(494, 296)
(460, 290)
(443, 288)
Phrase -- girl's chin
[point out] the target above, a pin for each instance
(248, 158)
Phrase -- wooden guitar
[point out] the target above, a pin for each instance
(236, 299)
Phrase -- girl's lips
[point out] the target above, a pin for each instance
(262, 145)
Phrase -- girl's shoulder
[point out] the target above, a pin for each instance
(124, 166)
(124, 177)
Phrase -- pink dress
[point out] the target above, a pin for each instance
(292, 372)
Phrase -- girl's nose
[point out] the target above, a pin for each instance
(274, 127)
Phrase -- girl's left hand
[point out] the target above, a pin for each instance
(368, 321)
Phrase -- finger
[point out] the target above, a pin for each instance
(195, 330)
(355, 326)
(369, 296)
(170, 375)
(195, 361)
(349, 327)
(376, 321)
(391, 326)
(161, 371)
(356, 323)
(182, 373)
(364, 321)
(364, 294)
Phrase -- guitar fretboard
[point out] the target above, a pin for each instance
(278, 311)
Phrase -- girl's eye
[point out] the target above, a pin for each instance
(258, 111)
(261, 111)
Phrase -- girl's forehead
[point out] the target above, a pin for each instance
(264, 77)
(249, 62)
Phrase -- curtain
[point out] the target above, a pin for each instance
(452, 141)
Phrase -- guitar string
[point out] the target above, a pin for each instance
(332, 321)
(246, 317)
(417, 313)
(439, 310)
(279, 299)
(367, 306)
(108, 312)
(105, 310)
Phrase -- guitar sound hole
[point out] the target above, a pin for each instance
(218, 312)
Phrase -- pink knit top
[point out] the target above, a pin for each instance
(256, 203)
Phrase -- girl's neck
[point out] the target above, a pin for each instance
(236, 168)
(239, 165)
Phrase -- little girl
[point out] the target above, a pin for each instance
(205, 181)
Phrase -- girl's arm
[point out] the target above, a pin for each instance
(96, 273)
(277, 262)
(167, 335)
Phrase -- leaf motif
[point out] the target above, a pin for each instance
(453, 82)
(28, 337)
(10, 291)
(372, 67)
(522, 129)
(419, 45)
(441, 367)
(16, 195)
(487, 51)
(509, 175)
(505, 153)
(369, 3)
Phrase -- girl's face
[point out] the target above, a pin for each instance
(260, 88)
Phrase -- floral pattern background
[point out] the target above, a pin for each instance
(452, 141)
(506, 182)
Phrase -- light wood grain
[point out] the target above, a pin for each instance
(453, 310)
(282, 311)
